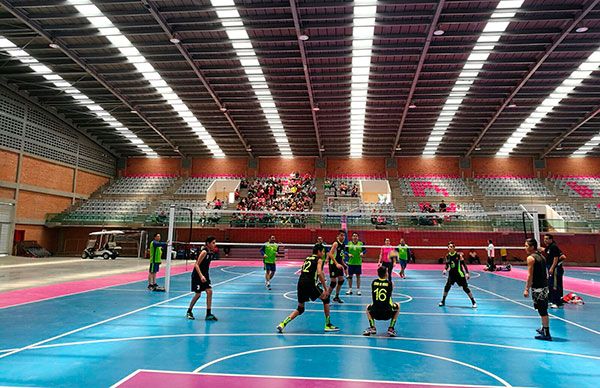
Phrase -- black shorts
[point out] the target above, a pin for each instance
(197, 285)
(308, 291)
(540, 298)
(382, 315)
(461, 281)
(335, 272)
(154, 267)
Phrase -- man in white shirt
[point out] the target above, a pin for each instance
(491, 266)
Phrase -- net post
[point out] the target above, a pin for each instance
(169, 247)
(536, 226)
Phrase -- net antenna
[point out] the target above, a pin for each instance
(533, 217)
(170, 234)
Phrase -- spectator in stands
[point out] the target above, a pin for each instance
(473, 257)
(237, 194)
(442, 206)
(503, 255)
(343, 189)
(381, 220)
(327, 184)
(374, 216)
(354, 191)
(161, 218)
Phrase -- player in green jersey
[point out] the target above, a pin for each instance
(269, 252)
(403, 257)
(356, 252)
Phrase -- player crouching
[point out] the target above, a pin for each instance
(312, 269)
(382, 308)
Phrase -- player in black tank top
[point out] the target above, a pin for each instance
(201, 279)
(457, 273)
(335, 257)
(537, 280)
(311, 272)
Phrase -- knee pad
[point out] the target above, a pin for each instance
(333, 283)
(466, 289)
(341, 281)
(447, 287)
(327, 300)
(300, 309)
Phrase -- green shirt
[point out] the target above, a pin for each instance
(155, 252)
(403, 252)
(354, 251)
(270, 250)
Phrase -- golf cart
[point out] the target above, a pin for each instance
(102, 244)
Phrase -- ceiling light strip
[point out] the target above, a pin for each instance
(575, 79)
(14, 51)
(362, 46)
(107, 29)
(491, 34)
(240, 40)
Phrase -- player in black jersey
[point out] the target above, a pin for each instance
(382, 308)
(335, 257)
(537, 280)
(312, 270)
(201, 278)
(457, 273)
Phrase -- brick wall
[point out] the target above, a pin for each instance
(212, 166)
(502, 166)
(44, 236)
(572, 166)
(36, 205)
(362, 166)
(88, 183)
(7, 193)
(40, 173)
(8, 166)
(422, 166)
(143, 166)
(284, 166)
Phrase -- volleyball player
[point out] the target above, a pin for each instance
(383, 307)
(387, 257)
(156, 251)
(312, 270)
(356, 252)
(537, 280)
(491, 265)
(201, 278)
(457, 273)
(403, 256)
(335, 257)
(269, 252)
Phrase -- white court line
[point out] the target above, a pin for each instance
(489, 374)
(356, 336)
(531, 308)
(567, 289)
(351, 311)
(108, 320)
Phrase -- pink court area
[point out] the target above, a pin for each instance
(157, 379)
(578, 286)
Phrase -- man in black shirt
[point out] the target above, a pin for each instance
(537, 280)
(554, 264)
(201, 278)
(312, 270)
(382, 308)
(457, 273)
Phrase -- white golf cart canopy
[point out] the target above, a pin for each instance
(105, 232)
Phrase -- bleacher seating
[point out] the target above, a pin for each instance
(578, 186)
(140, 185)
(593, 208)
(567, 212)
(509, 207)
(366, 210)
(201, 210)
(107, 210)
(334, 190)
(434, 186)
(510, 186)
(470, 208)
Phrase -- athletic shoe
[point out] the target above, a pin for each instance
(391, 332)
(543, 337)
(280, 328)
(330, 327)
(189, 315)
(370, 331)
(474, 305)
(337, 299)
(442, 304)
(358, 293)
(540, 331)
(150, 287)
(349, 292)
(158, 289)
(553, 306)
(210, 317)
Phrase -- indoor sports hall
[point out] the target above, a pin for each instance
(299, 193)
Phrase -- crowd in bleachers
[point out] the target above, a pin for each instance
(295, 193)
(341, 187)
